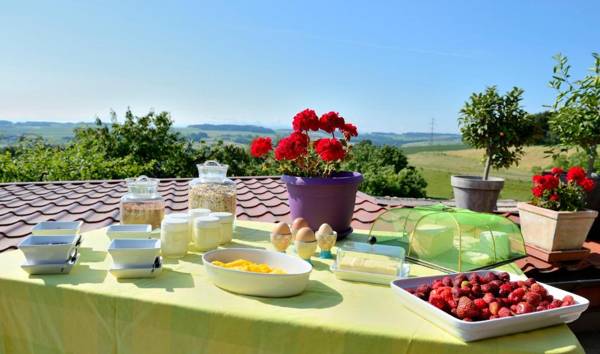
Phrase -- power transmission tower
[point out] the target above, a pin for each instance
(432, 129)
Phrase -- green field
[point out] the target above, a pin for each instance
(438, 165)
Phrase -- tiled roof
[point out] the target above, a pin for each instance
(96, 203)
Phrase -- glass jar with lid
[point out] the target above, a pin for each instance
(142, 204)
(212, 189)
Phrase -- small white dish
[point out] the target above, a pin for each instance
(258, 284)
(134, 252)
(150, 271)
(56, 228)
(367, 277)
(118, 231)
(48, 249)
(52, 268)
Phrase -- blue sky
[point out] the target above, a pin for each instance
(387, 66)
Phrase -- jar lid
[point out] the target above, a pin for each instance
(142, 185)
(198, 212)
(223, 216)
(212, 171)
(208, 222)
(175, 218)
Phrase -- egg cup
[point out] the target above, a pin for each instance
(326, 243)
(305, 250)
(281, 242)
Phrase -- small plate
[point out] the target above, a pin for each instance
(52, 268)
(148, 271)
(366, 277)
(52, 228)
(119, 231)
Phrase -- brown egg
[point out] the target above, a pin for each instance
(324, 230)
(305, 234)
(298, 224)
(281, 229)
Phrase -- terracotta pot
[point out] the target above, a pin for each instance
(554, 230)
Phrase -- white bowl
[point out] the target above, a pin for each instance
(48, 249)
(56, 228)
(116, 231)
(134, 252)
(258, 284)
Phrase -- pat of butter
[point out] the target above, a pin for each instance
(369, 264)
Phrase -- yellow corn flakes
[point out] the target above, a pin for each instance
(247, 266)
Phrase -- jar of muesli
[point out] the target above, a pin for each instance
(142, 204)
(212, 189)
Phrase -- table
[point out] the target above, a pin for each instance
(89, 311)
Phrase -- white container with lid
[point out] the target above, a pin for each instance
(226, 222)
(207, 233)
(193, 214)
(174, 235)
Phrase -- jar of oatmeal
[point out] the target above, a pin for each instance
(142, 204)
(212, 189)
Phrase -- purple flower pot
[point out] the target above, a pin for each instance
(324, 200)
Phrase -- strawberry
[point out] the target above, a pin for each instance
(466, 308)
(459, 278)
(555, 304)
(537, 288)
(488, 298)
(532, 298)
(524, 307)
(504, 312)
(494, 307)
(437, 301)
(474, 279)
(529, 282)
(476, 290)
(568, 300)
(489, 277)
(505, 289)
(447, 281)
(541, 308)
(480, 303)
(504, 276)
(485, 314)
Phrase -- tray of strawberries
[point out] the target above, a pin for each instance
(485, 304)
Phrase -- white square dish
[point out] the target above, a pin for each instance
(56, 228)
(147, 271)
(118, 231)
(48, 249)
(134, 252)
(52, 268)
(471, 331)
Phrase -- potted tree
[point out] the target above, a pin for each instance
(498, 125)
(576, 120)
(556, 218)
(318, 191)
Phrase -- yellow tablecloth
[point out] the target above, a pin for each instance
(89, 311)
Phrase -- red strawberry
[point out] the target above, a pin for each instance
(513, 308)
(532, 298)
(504, 312)
(480, 303)
(447, 281)
(505, 289)
(437, 284)
(466, 308)
(541, 308)
(529, 281)
(568, 300)
(488, 298)
(474, 279)
(493, 317)
(504, 276)
(555, 304)
(489, 277)
(537, 288)
(485, 314)
(437, 301)
(524, 307)
(476, 290)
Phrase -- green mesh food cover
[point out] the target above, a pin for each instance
(451, 239)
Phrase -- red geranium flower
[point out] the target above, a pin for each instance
(538, 179)
(576, 174)
(588, 184)
(330, 149)
(554, 197)
(292, 147)
(331, 121)
(349, 130)
(306, 120)
(261, 146)
(557, 171)
(550, 182)
(537, 191)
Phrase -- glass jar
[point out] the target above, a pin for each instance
(212, 189)
(142, 204)
(226, 221)
(207, 233)
(174, 236)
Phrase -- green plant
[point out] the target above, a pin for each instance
(498, 125)
(551, 192)
(577, 108)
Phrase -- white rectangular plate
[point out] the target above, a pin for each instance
(52, 228)
(118, 231)
(365, 277)
(470, 331)
(52, 268)
(138, 272)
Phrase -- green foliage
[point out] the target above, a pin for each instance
(147, 145)
(385, 170)
(498, 125)
(577, 118)
(542, 134)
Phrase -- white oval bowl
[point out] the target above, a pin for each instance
(258, 284)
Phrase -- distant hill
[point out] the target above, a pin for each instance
(233, 127)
